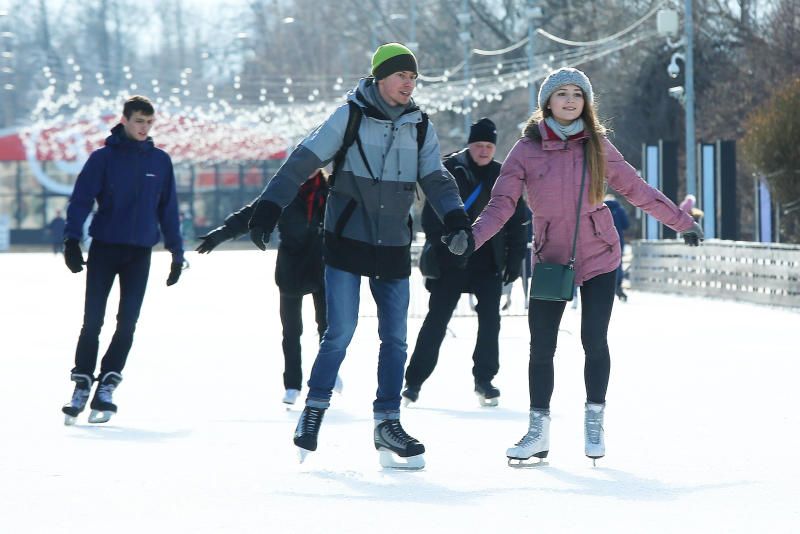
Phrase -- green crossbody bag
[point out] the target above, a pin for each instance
(554, 281)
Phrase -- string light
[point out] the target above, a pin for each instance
(250, 127)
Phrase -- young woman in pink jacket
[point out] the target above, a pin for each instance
(546, 164)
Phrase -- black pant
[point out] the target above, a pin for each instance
(445, 293)
(292, 321)
(105, 262)
(544, 317)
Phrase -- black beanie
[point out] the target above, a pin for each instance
(483, 130)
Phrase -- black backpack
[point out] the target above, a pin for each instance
(351, 136)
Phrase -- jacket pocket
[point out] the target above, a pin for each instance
(603, 226)
(540, 238)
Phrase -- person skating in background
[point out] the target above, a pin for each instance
(621, 223)
(134, 185)
(299, 269)
(55, 231)
(482, 274)
(563, 143)
(368, 233)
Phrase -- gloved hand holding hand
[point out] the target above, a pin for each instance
(174, 273)
(694, 235)
(73, 256)
(460, 242)
(212, 239)
(262, 222)
(512, 272)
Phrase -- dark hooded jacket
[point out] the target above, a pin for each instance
(133, 183)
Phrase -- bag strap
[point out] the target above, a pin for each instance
(350, 134)
(473, 196)
(571, 263)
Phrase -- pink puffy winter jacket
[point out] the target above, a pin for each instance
(550, 173)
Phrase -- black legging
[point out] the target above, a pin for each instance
(544, 317)
(291, 312)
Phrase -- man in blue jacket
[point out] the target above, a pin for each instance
(133, 184)
(367, 233)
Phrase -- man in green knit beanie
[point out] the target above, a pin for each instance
(367, 234)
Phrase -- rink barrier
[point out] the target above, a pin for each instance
(763, 273)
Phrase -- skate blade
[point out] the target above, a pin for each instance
(407, 402)
(69, 420)
(488, 403)
(99, 416)
(390, 461)
(526, 463)
(302, 454)
(594, 459)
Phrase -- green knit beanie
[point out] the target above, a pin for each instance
(390, 58)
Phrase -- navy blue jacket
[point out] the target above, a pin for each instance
(134, 185)
(620, 217)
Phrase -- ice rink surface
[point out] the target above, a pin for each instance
(701, 426)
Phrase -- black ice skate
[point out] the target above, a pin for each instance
(102, 405)
(410, 395)
(305, 435)
(391, 439)
(83, 387)
(487, 393)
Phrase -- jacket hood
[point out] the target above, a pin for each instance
(358, 95)
(119, 139)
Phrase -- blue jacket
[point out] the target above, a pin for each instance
(620, 217)
(134, 185)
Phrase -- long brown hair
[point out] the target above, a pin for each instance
(596, 161)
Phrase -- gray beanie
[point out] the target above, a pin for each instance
(561, 77)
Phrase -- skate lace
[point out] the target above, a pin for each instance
(594, 427)
(534, 432)
(311, 420)
(79, 396)
(397, 434)
(105, 391)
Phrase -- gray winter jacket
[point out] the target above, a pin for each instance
(367, 219)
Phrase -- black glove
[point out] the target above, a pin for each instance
(73, 256)
(512, 272)
(262, 222)
(694, 235)
(212, 239)
(174, 273)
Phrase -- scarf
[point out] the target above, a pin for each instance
(565, 132)
(373, 96)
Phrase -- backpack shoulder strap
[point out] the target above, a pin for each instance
(350, 133)
(422, 131)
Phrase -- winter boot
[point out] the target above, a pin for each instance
(307, 431)
(390, 438)
(487, 393)
(534, 444)
(410, 394)
(83, 387)
(593, 432)
(102, 405)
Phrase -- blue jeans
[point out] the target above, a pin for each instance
(342, 292)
